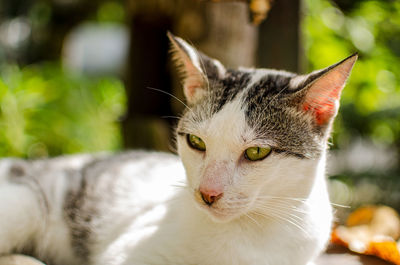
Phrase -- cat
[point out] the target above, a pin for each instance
(248, 186)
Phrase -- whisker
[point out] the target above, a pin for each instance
(283, 211)
(170, 117)
(282, 203)
(275, 214)
(301, 200)
(235, 207)
(169, 94)
(287, 202)
(340, 205)
(271, 217)
(252, 219)
(290, 215)
(285, 198)
(284, 207)
(179, 186)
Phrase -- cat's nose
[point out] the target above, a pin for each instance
(209, 197)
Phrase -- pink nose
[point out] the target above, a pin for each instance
(210, 196)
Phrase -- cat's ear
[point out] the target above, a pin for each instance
(323, 88)
(196, 69)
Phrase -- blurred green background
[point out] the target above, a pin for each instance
(46, 111)
(68, 73)
(364, 161)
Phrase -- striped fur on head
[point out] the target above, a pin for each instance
(296, 111)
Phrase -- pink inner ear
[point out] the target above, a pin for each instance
(323, 96)
(323, 113)
(192, 85)
(190, 90)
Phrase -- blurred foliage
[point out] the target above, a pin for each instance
(111, 11)
(371, 100)
(34, 30)
(45, 112)
(370, 104)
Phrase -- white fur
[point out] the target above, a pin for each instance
(232, 231)
(274, 211)
(25, 220)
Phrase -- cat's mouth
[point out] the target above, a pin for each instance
(220, 211)
(219, 215)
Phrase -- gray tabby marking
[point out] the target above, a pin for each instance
(226, 90)
(92, 190)
(78, 216)
(272, 110)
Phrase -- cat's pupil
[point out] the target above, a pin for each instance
(196, 142)
(257, 153)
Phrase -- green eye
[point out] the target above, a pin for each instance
(196, 142)
(257, 153)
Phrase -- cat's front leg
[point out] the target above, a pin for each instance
(20, 213)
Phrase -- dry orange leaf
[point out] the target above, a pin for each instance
(360, 216)
(259, 10)
(385, 250)
(371, 230)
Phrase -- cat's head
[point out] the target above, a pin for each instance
(251, 135)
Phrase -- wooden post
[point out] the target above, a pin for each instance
(143, 126)
(221, 29)
(278, 38)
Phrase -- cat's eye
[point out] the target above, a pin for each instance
(257, 153)
(196, 142)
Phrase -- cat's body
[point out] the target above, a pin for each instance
(250, 188)
(136, 222)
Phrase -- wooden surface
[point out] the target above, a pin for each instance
(336, 255)
(18, 260)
